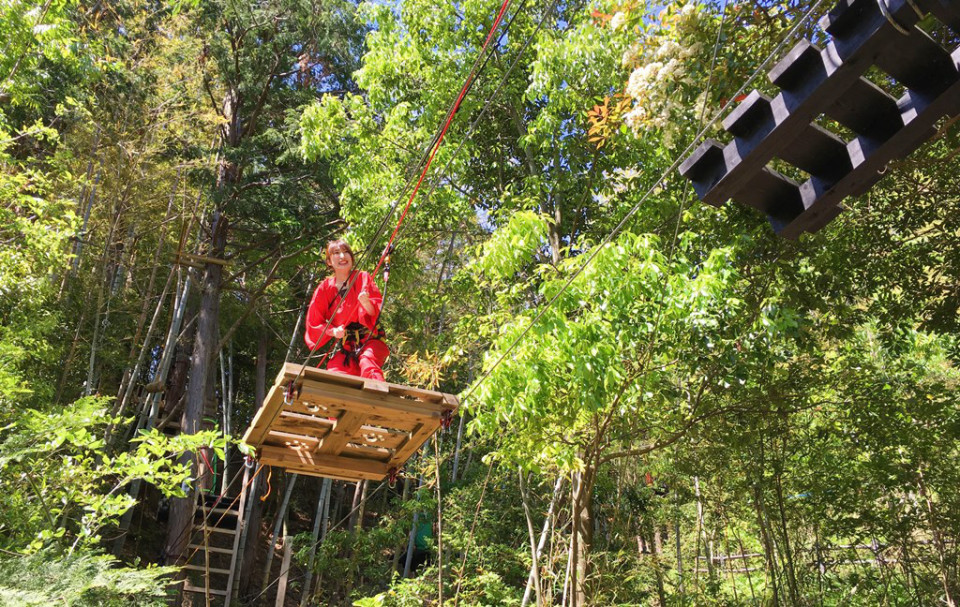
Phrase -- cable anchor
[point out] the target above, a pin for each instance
(392, 476)
(446, 419)
(291, 392)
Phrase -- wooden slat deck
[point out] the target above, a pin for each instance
(831, 83)
(344, 427)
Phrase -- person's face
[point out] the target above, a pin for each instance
(340, 259)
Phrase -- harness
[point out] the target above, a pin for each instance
(355, 337)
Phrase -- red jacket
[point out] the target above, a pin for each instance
(325, 301)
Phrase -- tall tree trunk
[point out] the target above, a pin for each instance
(787, 550)
(147, 417)
(946, 579)
(582, 531)
(200, 386)
(769, 553)
(534, 577)
(281, 515)
(102, 289)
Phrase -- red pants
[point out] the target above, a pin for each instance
(369, 365)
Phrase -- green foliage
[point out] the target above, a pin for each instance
(512, 247)
(35, 226)
(79, 579)
(62, 483)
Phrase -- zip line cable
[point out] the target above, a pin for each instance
(636, 207)
(619, 227)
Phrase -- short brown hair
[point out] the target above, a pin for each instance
(338, 245)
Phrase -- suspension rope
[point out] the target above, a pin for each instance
(430, 153)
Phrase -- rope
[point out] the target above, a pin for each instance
(430, 154)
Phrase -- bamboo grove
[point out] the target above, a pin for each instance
(701, 414)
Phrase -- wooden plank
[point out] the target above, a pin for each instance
(360, 450)
(329, 377)
(202, 568)
(271, 408)
(306, 406)
(415, 442)
(773, 194)
(190, 588)
(210, 549)
(289, 439)
(397, 403)
(380, 438)
(315, 428)
(704, 168)
(383, 406)
(344, 429)
(321, 464)
(866, 109)
(918, 63)
(372, 385)
(818, 152)
(849, 18)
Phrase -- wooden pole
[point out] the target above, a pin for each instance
(284, 567)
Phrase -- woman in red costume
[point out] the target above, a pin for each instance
(354, 321)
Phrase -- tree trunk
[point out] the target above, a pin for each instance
(787, 550)
(582, 531)
(101, 294)
(199, 387)
(534, 576)
(147, 417)
(769, 553)
(281, 514)
(356, 508)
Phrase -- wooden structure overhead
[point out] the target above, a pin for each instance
(830, 83)
(342, 426)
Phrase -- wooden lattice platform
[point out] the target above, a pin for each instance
(830, 83)
(344, 427)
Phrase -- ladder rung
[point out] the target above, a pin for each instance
(211, 549)
(232, 511)
(189, 588)
(205, 569)
(219, 530)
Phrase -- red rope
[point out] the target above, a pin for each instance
(446, 126)
(433, 151)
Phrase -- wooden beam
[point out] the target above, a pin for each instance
(319, 464)
(343, 431)
(382, 405)
(416, 441)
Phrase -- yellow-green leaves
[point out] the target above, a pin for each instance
(512, 246)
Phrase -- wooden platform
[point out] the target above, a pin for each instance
(344, 427)
(829, 85)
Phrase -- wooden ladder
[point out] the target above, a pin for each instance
(215, 542)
